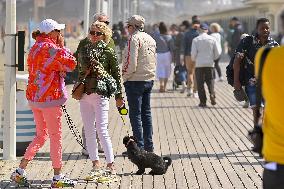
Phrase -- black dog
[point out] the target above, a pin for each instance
(144, 159)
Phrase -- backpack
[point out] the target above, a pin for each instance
(243, 66)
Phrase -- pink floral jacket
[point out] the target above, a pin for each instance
(46, 60)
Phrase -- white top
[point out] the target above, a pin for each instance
(217, 37)
(139, 60)
(204, 50)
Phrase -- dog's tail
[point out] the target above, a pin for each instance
(167, 160)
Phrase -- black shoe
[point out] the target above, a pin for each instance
(213, 100)
(125, 154)
(202, 105)
(101, 151)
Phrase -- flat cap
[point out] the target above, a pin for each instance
(136, 20)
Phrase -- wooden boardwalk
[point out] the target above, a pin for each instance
(209, 147)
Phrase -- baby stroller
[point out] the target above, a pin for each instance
(180, 75)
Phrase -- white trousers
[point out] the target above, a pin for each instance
(94, 111)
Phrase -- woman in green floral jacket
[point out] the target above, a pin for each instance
(99, 62)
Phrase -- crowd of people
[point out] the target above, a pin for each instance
(193, 47)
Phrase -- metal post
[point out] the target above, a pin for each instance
(36, 19)
(9, 102)
(86, 17)
(125, 10)
(110, 11)
(138, 7)
(98, 6)
(119, 10)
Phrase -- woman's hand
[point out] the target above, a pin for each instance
(119, 102)
(60, 40)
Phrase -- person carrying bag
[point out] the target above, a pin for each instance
(100, 74)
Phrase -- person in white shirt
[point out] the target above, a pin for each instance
(215, 32)
(203, 52)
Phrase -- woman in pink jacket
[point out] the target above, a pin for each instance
(48, 61)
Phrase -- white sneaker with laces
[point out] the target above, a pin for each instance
(95, 173)
(63, 181)
(20, 177)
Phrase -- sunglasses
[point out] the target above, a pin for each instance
(57, 30)
(106, 22)
(96, 33)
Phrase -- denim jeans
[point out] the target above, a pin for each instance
(251, 93)
(138, 96)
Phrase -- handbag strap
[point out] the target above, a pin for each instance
(259, 81)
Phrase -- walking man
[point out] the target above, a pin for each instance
(190, 66)
(138, 73)
(203, 53)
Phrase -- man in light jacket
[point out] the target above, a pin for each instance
(138, 73)
(203, 52)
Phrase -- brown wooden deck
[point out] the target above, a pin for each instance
(209, 147)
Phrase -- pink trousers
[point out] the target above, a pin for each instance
(48, 123)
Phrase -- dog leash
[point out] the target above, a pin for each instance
(74, 130)
(123, 111)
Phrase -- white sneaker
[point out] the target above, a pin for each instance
(195, 95)
(95, 173)
(183, 90)
(62, 182)
(246, 104)
(221, 79)
(20, 177)
(189, 92)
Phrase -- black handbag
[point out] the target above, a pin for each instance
(256, 134)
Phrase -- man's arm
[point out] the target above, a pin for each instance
(130, 61)
(239, 56)
(193, 50)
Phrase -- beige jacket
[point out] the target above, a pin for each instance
(139, 60)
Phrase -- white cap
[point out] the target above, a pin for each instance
(48, 25)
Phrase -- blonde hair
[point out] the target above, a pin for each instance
(215, 27)
(102, 27)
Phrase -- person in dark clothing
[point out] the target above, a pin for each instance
(188, 37)
(116, 34)
(234, 39)
(246, 52)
